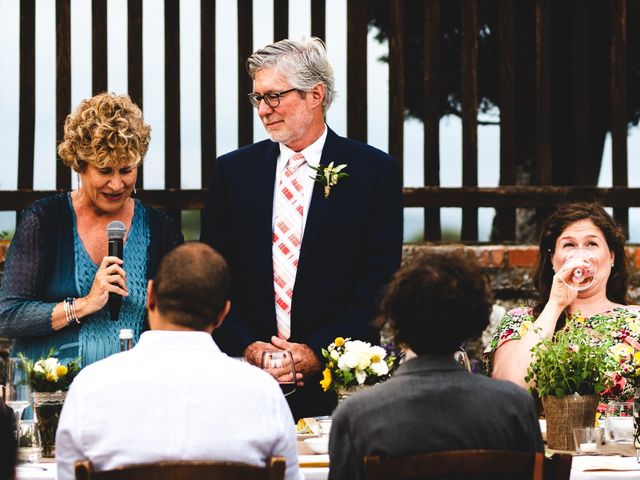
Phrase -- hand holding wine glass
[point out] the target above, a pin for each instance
(580, 269)
(280, 364)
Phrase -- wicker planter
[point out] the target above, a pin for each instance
(566, 413)
(345, 393)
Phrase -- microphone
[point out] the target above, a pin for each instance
(115, 233)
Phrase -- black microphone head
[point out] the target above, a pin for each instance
(116, 230)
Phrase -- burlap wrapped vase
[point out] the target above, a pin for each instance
(566, 413)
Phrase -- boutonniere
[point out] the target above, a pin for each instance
(329, 176)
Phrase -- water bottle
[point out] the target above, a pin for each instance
(126, 339)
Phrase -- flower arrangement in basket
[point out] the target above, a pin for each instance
(353, 363)
(49, 381)
(570, 371)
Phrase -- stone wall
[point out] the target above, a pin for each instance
(510, 269)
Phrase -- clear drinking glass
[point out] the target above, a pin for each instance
(279, 363)
(618, 423)
(29, 448)
(584, 269)
(17, 391)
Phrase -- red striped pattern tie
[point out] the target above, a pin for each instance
(287, 237)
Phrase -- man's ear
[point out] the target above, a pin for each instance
(317, 95)
(151, 298)
(222, 314)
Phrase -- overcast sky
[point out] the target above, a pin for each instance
(227, 96)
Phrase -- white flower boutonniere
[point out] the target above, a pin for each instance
(328, 176)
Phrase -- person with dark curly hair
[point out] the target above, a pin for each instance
(571, 230)
(432, 403)
(58, 275)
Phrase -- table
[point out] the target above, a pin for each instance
(47, 471)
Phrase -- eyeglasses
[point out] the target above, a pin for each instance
(270, 98)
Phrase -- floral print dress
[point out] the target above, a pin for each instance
(623, 324)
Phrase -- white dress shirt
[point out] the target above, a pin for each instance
(175, 396)
(312, 155)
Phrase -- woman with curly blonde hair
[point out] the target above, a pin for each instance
(58, 274)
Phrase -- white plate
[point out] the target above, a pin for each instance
(302, 436)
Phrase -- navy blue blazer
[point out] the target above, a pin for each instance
(351, 245)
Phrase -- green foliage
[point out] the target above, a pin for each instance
(575, 360)
(6, 235)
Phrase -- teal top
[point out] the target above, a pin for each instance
(47, 262)
(98, 336)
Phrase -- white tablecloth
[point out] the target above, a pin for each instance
(46, 471)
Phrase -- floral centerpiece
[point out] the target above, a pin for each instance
(49, 381)
(569, 372)
(350, 364)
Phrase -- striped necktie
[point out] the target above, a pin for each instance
(287, 238)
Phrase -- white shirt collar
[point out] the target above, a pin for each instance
(312, 153)
(170, 339)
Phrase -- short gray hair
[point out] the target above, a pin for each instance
(303, 62)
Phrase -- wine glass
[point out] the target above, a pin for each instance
(583, 267)
(279, 363)
(17, 391)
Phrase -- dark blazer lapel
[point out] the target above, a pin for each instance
(320, 206)
(263, 185)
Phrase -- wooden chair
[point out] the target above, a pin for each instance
(186, 470)
(457, 463)
(558, 466)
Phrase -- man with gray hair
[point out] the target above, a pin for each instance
(310, 223)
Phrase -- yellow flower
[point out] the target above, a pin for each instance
(331, 365)
(375, 358)
(61, 370)
(339, 341)
(525, 327)
(51, 376)
(325, 383)
(622, 350)
(579, 319)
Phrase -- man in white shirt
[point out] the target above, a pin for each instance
(175, 395)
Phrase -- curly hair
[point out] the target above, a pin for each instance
(565, 215)
(105, 130)
(436, 303)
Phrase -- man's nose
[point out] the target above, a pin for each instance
(264, 109)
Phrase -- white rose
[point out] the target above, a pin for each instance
(51, 364)
(347, 361)
(364, 360)
(380, 368)
(357, 346)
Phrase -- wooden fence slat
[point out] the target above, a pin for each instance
(172, 100)
(506, 218)
(357, 70)
(469, 101)
(208, 88)
(619, 103)
(431, 147)
(280, 19)
(581, 95)
(318, 18)
(134, 62)
(543, 91)
(27, 104)
(63, 84)
(245, 84)
(396, 82)
(99, 46)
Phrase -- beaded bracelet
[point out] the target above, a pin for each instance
(70, 311)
